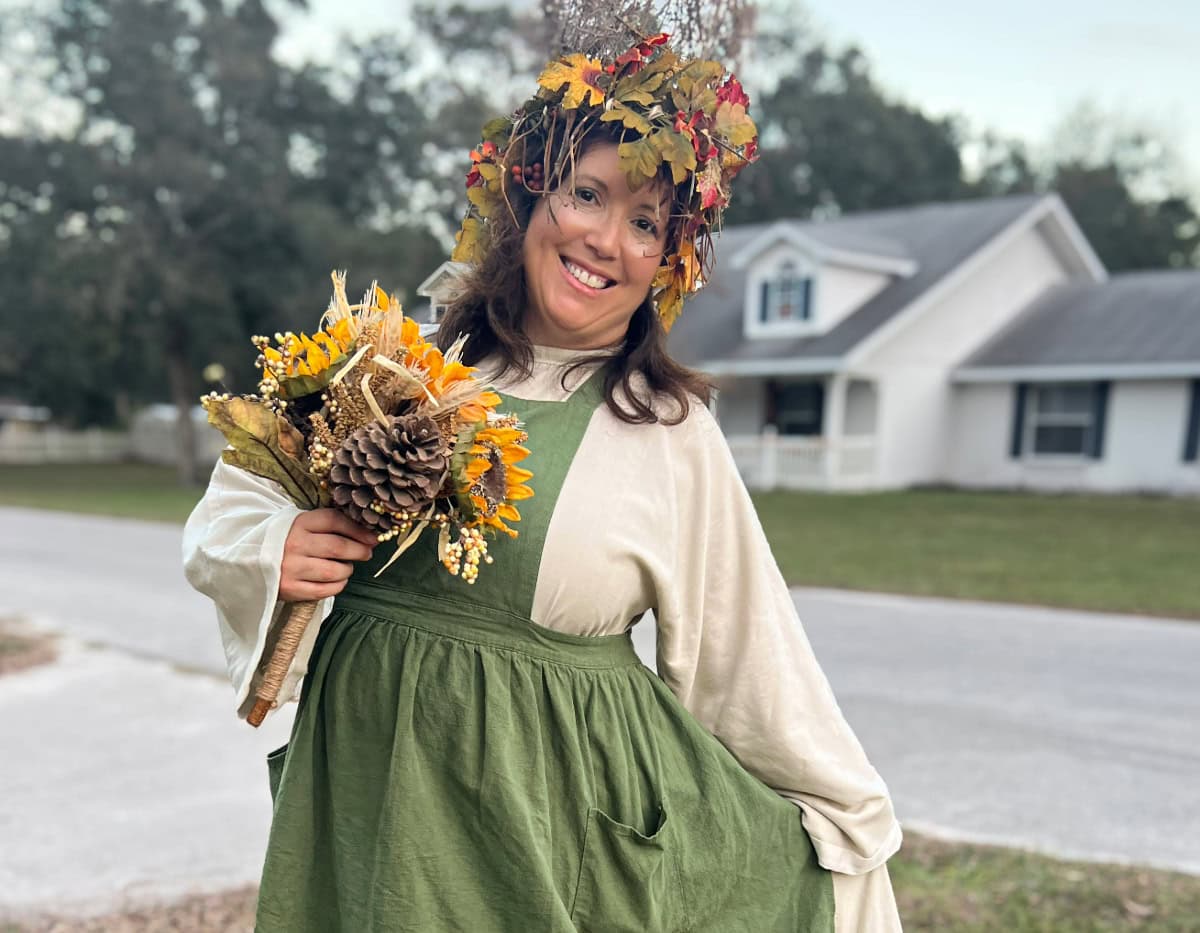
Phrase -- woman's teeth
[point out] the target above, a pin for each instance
(591, 281)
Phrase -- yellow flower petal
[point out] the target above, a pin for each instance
(517, 475)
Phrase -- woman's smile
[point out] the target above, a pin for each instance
(581, 275)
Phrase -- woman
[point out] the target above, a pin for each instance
(494, 757)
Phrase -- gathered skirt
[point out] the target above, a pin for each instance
(456, 768)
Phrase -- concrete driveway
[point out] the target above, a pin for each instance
(1073, 733)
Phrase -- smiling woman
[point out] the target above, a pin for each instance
(495, 757)
(591, 253)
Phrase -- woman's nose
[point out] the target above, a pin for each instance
(603, 236)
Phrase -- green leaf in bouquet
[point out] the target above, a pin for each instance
(267, 445)
(294, 387)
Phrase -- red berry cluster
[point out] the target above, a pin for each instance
(532, 177)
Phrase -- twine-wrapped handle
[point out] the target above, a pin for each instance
(266, 697)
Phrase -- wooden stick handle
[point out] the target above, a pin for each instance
(266, 697)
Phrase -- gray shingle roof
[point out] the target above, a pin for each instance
(1134, 318)
(938, 237)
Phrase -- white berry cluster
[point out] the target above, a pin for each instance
(464, 555)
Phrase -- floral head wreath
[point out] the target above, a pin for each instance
(688, 115)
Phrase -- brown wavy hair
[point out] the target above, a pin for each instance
(492, 299)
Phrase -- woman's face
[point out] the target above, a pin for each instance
(591, 254)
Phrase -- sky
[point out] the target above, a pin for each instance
(1017, 67)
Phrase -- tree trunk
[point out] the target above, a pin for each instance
(185, 397)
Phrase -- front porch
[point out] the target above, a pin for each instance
(802, 433)
(774, 461)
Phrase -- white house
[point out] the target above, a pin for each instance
(978, 343)
(974, 343)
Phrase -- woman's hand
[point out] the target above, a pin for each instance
(318, 554)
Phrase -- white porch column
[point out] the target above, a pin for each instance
(768, 469)
(834, 427)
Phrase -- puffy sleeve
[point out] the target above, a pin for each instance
(232, 551)
(732, 649)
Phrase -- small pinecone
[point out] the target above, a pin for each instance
(401, 465)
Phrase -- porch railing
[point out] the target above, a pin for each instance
(770, 461)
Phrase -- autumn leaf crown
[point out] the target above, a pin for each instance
(683, 117)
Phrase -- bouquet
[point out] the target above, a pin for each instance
(368, 417)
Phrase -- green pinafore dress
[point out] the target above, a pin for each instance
(456, 767)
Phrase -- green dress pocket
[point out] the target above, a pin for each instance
(628, 881)
(275, 769)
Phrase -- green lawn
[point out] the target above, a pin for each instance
(1112, 553)
(131, 490)
(949, 887)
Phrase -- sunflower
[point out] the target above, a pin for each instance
(301, 365)
(492, 481)
(449, 382)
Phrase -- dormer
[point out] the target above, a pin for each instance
(800, 285)
(440, 288)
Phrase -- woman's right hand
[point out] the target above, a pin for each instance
(318, 554)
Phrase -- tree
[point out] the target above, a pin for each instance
(172, 187)
(1118, 178)
(833, 142)
(199, 193)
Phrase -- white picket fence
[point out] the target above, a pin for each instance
(150, 439)
(770, 461)
(55, 445)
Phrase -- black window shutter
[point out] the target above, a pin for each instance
(806, 299)
(1099, 417)
(1020, 394)
(1191, 442)
(766, 299)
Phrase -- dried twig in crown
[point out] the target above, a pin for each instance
(603, 28)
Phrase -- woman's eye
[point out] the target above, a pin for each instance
(646, 226)
(586, 195)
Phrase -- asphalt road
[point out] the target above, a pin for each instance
(1073, 733)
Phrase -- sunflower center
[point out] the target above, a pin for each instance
(492, 486)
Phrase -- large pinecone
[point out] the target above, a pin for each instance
(401, 465)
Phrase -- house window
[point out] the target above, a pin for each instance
(436, 310)
(787, 297)
(1062, 419)
(796, 408)
(1191, 435)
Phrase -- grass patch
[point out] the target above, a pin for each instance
(128, 490)
(951, 887)
(1109, 553)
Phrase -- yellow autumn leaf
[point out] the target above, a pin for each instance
(733, 123)
(639, 161)
(580, 74)
(676, 149)
(629, 117)
(468, 245)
